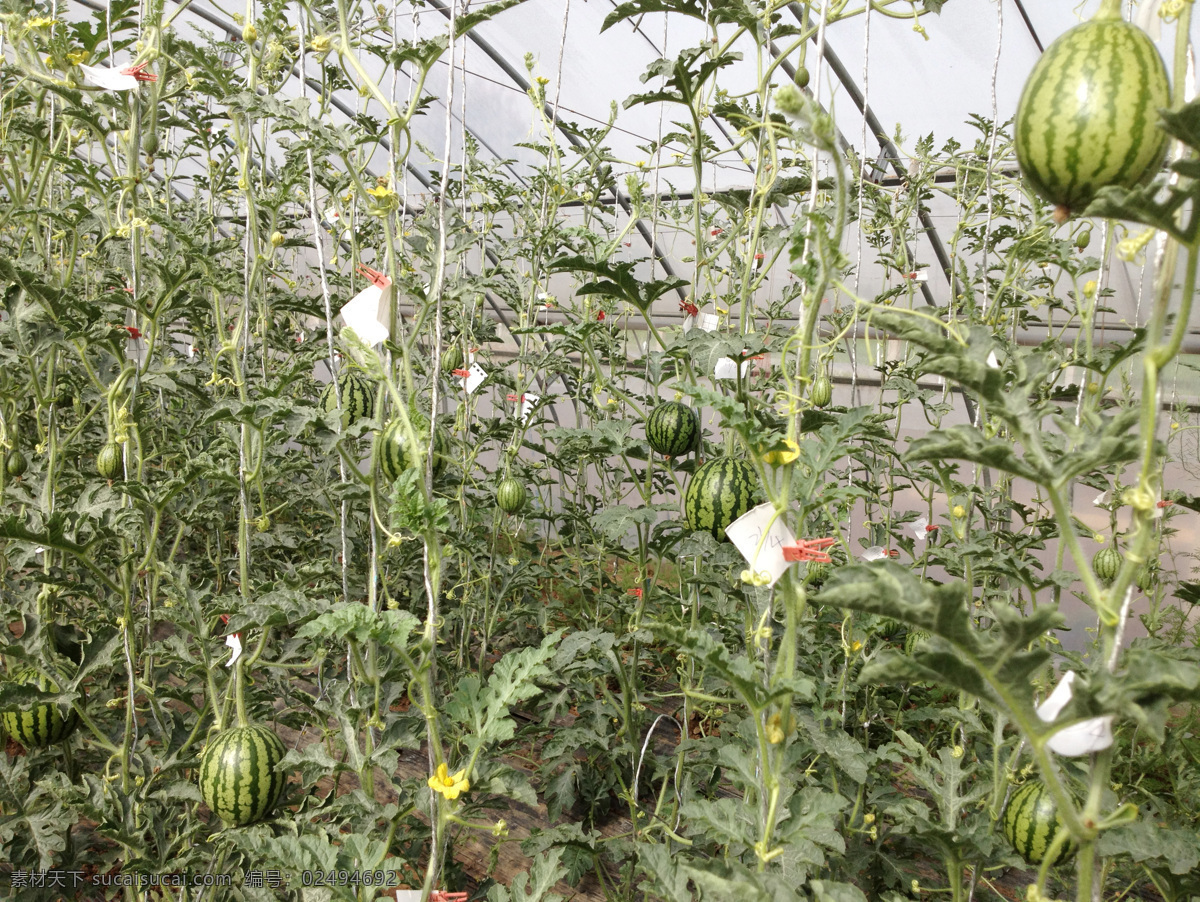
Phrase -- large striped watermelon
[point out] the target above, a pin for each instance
(392, 449)
(1088, 116)
(720, 492)
(240, 778)
(673, 428)
(39, 724)
(1031, 823)
(510, 495)
(358, 398)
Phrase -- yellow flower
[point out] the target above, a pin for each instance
(785, 456)
(447, 785)
(41, 22)
(775, 734)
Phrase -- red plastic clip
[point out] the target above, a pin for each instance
(134, 332)
(1166, 502)
(689, 308)
(516, 398)
(441, 895)
(808, 550)
(892, 552)
(462, 373)
(374, 276)
(636, 593)
(932, 527)
(600, 316)
(139, 72)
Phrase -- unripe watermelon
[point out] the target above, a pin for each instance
(452, 359)
(1088, 115)
(510, 495)
(39, 724)
(914, 636)
(239, 776)
(822, 392)
(1106, 563)
(358, 398)
(1031, 823)
(673, 428)
(720, 492)
(108, 462)
(392, 449)
(15, 463)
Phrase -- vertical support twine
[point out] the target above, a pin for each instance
(319, 244)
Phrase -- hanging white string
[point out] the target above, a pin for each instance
(319, 245)
(991, 161)
(852, 340)
(658, 171)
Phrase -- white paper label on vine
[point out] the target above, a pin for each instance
(726, 368)
(874, 553)
(528, 402)
(1083, 738)
(109, 79)
(920, 529)
(761, 536)
(234, 641)
(475, 376)
(688, 323)
(709, 322)
(362, 315)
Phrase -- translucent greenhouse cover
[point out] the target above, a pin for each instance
(878, 75)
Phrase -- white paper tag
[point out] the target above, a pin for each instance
(528, 402)
(874, 553)
(362, 315)
(726, 368)
(234, 641)
(688, 323)
(408, 895)
(709, 322)
(761, 536)
(475, 376)
(920, 529)
(1083, 738)
(109, 79)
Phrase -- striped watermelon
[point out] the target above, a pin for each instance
(1088, 115)
(108, 462)
(240, 778)
(720, 492)
(392, 453)
(822, 392)
(15, 463)
(1031, 823)
(358, 398)
(510, 495)
(39, 724)
(1107, 562)
(673, 428)
(914, 636)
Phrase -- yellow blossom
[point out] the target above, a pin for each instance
(451, 786)
(41, 22)
(775, 729)
(785, 456)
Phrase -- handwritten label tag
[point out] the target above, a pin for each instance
(362, 315)
(234, 641)
(475, 376)
(709, 322)
(761, 536)
(528, 402)
(109, 79)
(726, 368)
